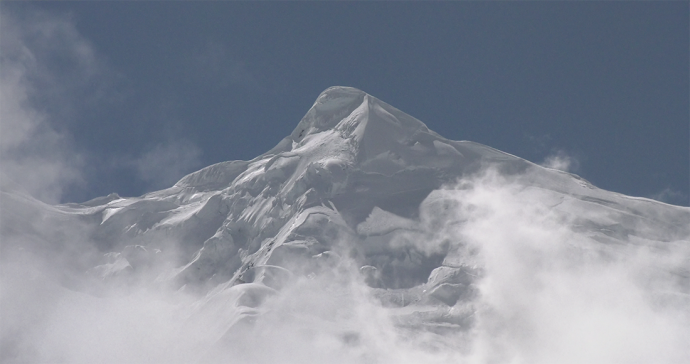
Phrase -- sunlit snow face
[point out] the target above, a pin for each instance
(545, 290)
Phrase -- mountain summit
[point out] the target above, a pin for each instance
(427, 229)
(349, 155)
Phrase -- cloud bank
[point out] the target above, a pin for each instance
(545, 292)
(552, 294)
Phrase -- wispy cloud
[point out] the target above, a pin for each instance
(546, 294)
(562, 161)
(42, 57)
(544, 291)
(550, 294)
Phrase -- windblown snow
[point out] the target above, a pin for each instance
(363, 237)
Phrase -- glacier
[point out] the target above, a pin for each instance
(362, 237)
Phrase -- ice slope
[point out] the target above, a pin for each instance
(354, 171)
(350, 154)
(357, 185)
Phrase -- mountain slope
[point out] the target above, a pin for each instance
(363, 201)
(349, 154)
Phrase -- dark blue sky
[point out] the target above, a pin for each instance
(166, 88)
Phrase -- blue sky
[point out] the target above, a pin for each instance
(128, 97)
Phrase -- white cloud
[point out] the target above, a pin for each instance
(546, 295)
(34, 152)
(551, 294)
(561, 161)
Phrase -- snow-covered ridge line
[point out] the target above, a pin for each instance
(359, 195)
(349, 147)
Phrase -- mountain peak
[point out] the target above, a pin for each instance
(358, 129)
(346, 109)
(330, 107)
(362, 202)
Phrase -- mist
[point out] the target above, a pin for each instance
(551, 293)
(504, 265)
(545, 292)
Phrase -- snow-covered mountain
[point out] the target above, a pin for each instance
(361, 237)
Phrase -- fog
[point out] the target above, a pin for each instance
(546, 292)
(552, 279)
(551, 294)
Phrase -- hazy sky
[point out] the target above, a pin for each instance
(127, 97)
